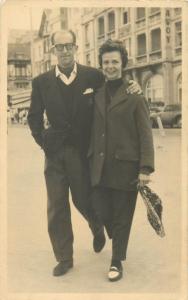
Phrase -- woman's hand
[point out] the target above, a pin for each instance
(143, 179)
(134, 88)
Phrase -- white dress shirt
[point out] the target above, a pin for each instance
(63, 77)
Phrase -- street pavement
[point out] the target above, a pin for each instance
(153, 263)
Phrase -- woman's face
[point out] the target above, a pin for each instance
(112, 65)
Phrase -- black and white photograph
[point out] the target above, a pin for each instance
(94, 149)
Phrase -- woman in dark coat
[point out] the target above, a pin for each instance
(121, 152)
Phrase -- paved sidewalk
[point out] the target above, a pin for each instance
(153, 264)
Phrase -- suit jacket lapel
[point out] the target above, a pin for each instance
(120, 95)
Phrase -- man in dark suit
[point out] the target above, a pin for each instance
(65, 94)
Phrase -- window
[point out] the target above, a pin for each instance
(125, 17)
(156, 39)
(127, 44)
(141, 44)
(64, 24)
(87, 34)
(154, 88)
(111, 21)
(140, 13)
(46, 28)
(101, 26)
(40, 52)
(88, 61)
(23, 71)
(177, 11)
(178, 34)
(48, 41)
(62, 11)
(20, 71)
(18, 85)
(45, 46)
(17, 71)
(154, 10)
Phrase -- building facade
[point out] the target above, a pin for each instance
(19, 69)
(53, 20)
(152, 37)
(41, 58)
(19, 66)
(19, 76)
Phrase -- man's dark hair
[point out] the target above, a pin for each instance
(113, 45)
(59, 31)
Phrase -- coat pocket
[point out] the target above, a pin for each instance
(53, 140)
(125, 155)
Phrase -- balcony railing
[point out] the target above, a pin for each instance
(100, 39)
(155, 12)
(111, 34)
(141, 58)
(140, 23)
(19, 77)
(155, 55)
(155, 18)
(130, 63)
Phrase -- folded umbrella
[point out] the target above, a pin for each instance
(154, 208)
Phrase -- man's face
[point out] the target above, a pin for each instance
(112, 65)
(64, 49)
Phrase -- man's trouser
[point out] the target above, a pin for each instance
(63, 171)
(115, 209)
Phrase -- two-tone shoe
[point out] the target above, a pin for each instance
(115, 272)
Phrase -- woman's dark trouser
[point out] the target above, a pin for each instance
(115, 208)
(67, 170)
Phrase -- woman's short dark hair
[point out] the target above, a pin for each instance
(113, 45)
(70, 31)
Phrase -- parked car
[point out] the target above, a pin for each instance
(170, 116)
(156, 106)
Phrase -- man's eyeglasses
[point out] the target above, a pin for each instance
(60, 47)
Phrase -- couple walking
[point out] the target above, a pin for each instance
(99, 144)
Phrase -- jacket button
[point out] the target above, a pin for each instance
(101, 154)
(103, 135)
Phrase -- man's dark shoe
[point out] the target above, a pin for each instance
(62, 268)
(99, 241)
